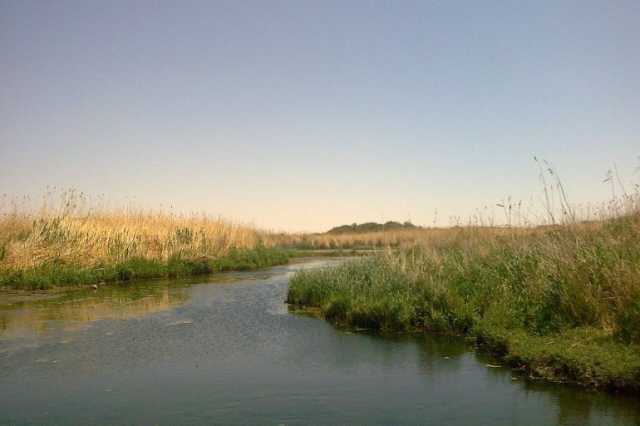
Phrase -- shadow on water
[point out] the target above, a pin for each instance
(452, 367)
(228, 351)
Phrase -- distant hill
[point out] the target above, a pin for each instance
(371, 227)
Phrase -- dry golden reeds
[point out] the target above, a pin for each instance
(75, 232)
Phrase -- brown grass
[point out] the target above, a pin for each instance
(75, 232)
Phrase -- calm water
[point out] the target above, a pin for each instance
(228, 352)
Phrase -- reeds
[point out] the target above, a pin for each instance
(73, 235)
(72, 232)
(560, 300)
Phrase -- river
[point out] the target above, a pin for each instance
(226, 350)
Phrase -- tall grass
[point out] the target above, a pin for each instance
(74, 241)
(542, 281)
(561, 300)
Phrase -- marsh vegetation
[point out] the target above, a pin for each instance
(71, 241)
(560, 301)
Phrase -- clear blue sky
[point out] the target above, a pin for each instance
(300, 115)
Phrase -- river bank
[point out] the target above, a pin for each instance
(59, 274)
(560, 303)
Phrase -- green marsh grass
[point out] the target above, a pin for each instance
(50, 275)
(562, 302)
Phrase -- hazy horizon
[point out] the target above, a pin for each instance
(303, 116)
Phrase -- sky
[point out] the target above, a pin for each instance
(302, 115)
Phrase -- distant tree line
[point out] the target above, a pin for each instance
(371, 227)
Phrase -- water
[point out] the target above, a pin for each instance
(228, 352)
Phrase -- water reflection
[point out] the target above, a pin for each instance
(578, 406)
(74, 309)
(25, 315)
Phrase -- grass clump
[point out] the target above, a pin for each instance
(561, 302)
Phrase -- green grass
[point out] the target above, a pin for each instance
(61, 274)
(586, 356)
(564, 303)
